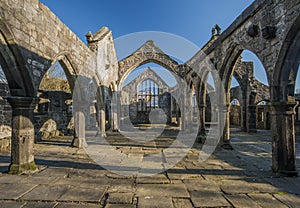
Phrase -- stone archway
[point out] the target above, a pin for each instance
(283, 103)
(147, 53)
(21, 100)
(151, 53)
(13, 64)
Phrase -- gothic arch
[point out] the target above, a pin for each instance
(67, 65)
(228, 69)
(149, 52)
(13, 64)
(287, 64)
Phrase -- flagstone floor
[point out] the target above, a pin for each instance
(68, 177)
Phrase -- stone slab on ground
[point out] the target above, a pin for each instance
(200, 184)
(155, 179)
(6, 178)
(120, 206)
(46, 192)
(11, 204)
(84, 182)
(182, 203)
(267, 200)
(288, 199)
(237, 187)
(73, 205)
(242, 201)
(121, 185)
(208, 199)
(79, 194)
(162, 190)
(284, 184)
(36, 179)
(40, 205)
(120, 198)
(155, 202)
(14, 191)
(57, 172)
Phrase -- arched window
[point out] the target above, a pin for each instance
(235, 102)
(148, 95)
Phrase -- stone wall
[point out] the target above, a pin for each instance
(54, 114)
(5, 118)
(137, 115)
(235, 115)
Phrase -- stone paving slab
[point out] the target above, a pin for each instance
(46, 193)
(284, 184)
(14, 191)
(201, 185)
(120, 198)
(166, 190)
(68, 178)
(79, 194)
(267, 200)
(208, 199)
(238, 187)
(93, 172)
(11, 204)
(73, 205)
(85, 182)
(155, 179)
(289, 199)
(242, 201)
(5, 178)
(121, 185)
(58, 172)
(182, 203)
(40, 205)
(36, 179)
(155, 202)
(120, 206)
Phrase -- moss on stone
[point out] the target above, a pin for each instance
(24, 168)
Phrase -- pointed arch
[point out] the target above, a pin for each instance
(147, 53)
(286, 67)
(13, 64)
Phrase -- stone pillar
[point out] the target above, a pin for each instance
(251, 127)
(202, 130)
(22, 157)
(79, 133)
(115, 103)
(225, 115)
(284, 150)
(244, 115)
(101, 119)
(224, 119)
(178, 118)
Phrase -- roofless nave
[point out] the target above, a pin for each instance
(33, 38)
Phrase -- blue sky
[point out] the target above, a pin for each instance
(192, 19)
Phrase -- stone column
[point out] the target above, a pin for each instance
(251, 127)
(101, 119)
(224, 122)
(284, 150)
(115, 103)
(79, 133)
(22, 156)
(244, 115)
(225, 115)
(202, 119)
